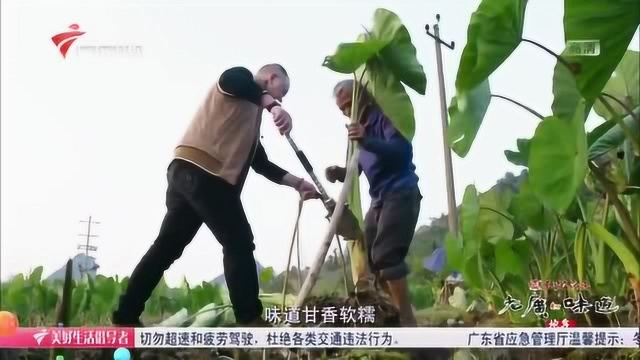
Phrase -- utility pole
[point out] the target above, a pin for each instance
(448, 164)
(87, 247)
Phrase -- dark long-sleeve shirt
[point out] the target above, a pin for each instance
(386, 158)
(239, 82)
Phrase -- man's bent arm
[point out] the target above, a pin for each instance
(393, 147)
(263, 166)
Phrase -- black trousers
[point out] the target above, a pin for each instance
(388, 233)
(195, 197)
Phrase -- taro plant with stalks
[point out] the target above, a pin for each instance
(601, 230)
(39, 302)
(383, 61)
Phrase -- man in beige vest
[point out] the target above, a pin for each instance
(205, 182)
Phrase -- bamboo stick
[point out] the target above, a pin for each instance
(314, 271)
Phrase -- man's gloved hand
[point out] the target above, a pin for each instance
(335, 173)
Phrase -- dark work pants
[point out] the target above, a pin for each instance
(195, 197)
(389, 231)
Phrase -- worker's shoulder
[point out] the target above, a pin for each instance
(236, 71)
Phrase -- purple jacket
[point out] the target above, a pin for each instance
(386, 158)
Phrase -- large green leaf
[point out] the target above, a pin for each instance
(454, 253)
(472, 271)
(613, 23)
(466, 120)
(624, 85)
(391, 96)
(520, 157)
(266, 275)
(600, 130)
(493, 220)
(495, 31)
(508, 261)
(615, 137)
(350, 56)
(624, 252)
(566, 95)
(389, 60)
(399, 56)
(528, 210)
(36, 276)
(469, 212)
(558, 159)
(388, 42)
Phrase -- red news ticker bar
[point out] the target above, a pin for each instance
(54, 337)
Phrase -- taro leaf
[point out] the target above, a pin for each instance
(614, 138)
(350, 56)
(389, 43)
(625, 253)
(495, 31)
(472, 271)
(624, 85)
(454, 253)
(104, 293)
(558, 159)
(493, 220)
(566, 95)
(390, 60)
(36, 276)
(391, 96)
(469, 212)
(520, 157)
(613, 23)
(600, 130)
(508, 261)
(617, 175)
(399, 55)
(266, 275)
(528, 210)
(466, 120)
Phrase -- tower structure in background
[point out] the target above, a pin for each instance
(87, 247)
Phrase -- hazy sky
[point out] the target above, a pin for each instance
(93, 135)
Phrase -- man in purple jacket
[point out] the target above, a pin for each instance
(386, 158)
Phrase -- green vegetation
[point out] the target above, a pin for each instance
(576, 213)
